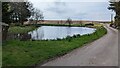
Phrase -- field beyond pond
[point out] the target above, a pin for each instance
(27, 53)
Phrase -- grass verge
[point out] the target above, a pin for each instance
(27, 53)
(20, 29)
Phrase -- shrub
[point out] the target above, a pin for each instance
(89, 24)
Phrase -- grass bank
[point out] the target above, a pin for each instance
(72, 25)
(20, 29)
(27, 53)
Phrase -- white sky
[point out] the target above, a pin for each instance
(75, 9)
(69, 0)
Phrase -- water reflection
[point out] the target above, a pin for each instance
(54, 32)
(68, 31)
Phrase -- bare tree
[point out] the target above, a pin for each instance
(37, 15)
(69, 21)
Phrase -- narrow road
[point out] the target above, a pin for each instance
(102, 52)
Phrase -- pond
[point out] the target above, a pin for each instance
(54, 32)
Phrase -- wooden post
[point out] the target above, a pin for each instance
(5, 28)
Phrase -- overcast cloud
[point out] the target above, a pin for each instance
(75, 9)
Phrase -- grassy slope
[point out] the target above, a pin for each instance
(19, 29)
(24, 53)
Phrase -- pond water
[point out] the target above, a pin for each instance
(54, 32)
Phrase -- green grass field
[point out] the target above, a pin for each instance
(27, 53)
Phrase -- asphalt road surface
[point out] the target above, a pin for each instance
(102, 52)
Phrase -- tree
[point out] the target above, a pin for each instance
(115, 6)
(14, 12)
(37, 15)
(6, 12)
(69, 21)
(21, 11)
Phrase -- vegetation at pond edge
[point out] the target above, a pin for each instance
(20, 29)
(27, 28)
(72, 25)
(27, 53)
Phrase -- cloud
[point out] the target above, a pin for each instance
(84, 0)
(58, 7)
(70, 0)
(76, 10)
